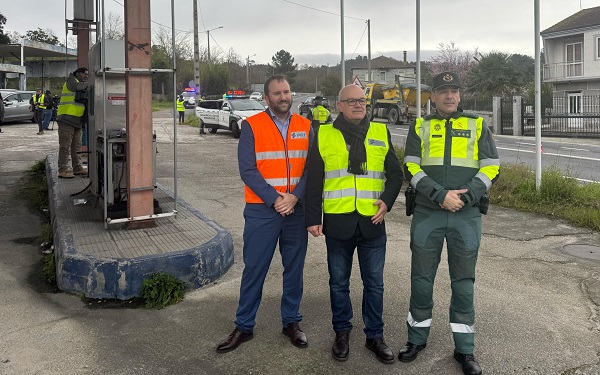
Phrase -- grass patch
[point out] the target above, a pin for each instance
(160, 105)
(162, 290)
(192, 120)
(558, 196)
(34, 188)
(49, 268)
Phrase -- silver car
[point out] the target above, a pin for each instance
(16, 105)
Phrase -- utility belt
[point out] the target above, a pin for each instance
(411, 201)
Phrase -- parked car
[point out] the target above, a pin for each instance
(256, 96)
(309, 103)
(227, 114)
(16, 105)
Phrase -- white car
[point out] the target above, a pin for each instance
(256, 96)
(227, 114)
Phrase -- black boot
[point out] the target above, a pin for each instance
(382, 351)
(409, 352)
(468, 363)
(341, 346)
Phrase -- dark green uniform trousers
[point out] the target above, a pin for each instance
(462, 232)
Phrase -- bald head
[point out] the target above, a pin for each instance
(352, 104)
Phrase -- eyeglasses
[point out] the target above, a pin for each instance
(352, 102)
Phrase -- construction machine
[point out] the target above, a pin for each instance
(396, 102)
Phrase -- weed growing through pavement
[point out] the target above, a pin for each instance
(162, 290)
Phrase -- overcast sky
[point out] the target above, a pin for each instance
(310, 29)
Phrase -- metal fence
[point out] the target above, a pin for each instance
(577, 116)
(506, 116)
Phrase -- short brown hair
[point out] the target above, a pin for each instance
(278, 78)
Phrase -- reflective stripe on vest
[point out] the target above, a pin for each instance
(344, 192)
(68, 105)
(280, 163)
(320, 113)
(180, 106)
(465, 133)
(41, 101)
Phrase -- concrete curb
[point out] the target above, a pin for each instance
(122, 278)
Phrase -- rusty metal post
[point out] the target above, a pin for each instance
(138, 88)
(83, 43)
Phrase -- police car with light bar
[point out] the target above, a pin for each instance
(227, 113)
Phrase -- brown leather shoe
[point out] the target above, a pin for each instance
(235, 339)
(297, 337)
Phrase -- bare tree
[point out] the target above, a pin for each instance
(451, 58)
(114, 27)
(184, 48)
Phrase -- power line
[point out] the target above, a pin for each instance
(158, 23)
(361, 37)
(322, 11)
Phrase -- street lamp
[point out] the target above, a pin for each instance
(208, 38)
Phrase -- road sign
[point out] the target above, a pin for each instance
(356, 81)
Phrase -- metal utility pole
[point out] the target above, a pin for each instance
(248, 70)
(343, 62)
(196, 51)
(208, 38)
(538, 99)
(369, 53)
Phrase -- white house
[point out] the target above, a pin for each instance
(572, 63)
(384, 70)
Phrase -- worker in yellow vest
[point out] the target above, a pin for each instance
(70, 119)
(37, 107)
(181, 108)
(319, 115)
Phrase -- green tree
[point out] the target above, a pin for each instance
(4, 39)
(214, 78)
(330, 85)
(283, 63)
(44, 36)
(494, 75)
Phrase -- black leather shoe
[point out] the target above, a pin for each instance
(409, 352)
(297, 337)
(341, 346)
(234, 340)
(468, 363)
(382, 351)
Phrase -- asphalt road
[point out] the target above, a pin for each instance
(537, 307)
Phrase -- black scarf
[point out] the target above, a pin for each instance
(354, 135)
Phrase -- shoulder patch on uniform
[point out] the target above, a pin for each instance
(298, 135)
(376, 142)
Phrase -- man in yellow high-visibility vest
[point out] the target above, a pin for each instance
(70, 119)
(353, 181)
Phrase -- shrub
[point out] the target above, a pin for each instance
(162, 290)
(49, 268)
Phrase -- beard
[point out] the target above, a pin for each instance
(282, 107)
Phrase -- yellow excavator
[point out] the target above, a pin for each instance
(395, 102)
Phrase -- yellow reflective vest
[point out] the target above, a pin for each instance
(321, 114)
(344, 192)
(68, 105)
(180, 106)
(40, 102)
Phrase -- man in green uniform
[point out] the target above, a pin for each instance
(451, 160)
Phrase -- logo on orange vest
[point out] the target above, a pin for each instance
(298, 135)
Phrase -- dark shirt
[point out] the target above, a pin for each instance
(343, 226)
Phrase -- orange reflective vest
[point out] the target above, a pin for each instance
(280, 163)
